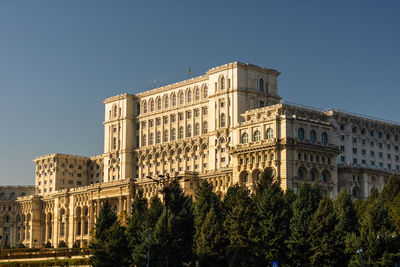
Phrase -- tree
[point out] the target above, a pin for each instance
(177, 239)
(62, 244)
(390, 190)
(206, 200)
(210, 242)
(271, 210)
(113, 250)
(136, 230)
(241, 227)
(325, 245)
(48, 245)
(377, 237)
(347, 222)
(303, 209)
(110, 243)
(106, 219)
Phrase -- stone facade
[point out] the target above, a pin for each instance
(11, 222)
(225, 127)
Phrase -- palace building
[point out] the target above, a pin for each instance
(227, 127)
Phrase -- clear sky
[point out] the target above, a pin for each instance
(60, 59)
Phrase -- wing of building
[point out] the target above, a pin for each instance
(226, 127)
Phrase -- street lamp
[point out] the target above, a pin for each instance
(164, 187)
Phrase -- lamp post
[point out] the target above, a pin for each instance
(164, 187)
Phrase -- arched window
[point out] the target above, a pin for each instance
(189, 131)
(158, 137)
(173, 134)
(342, 127)
(197, 94)
(222, 83)
(189, 96)
(166, 102)
(257, 136)
(115, 111)
(313, 136)
(165, 137)
(205, 127)
(151, 138)
(138, 109)
(371, 133)
(205, 92)
(312, 175)
(300, 174)
(245, 138)
(270, 133)
(261, 85)
(180, 136)
(388, 136)
(159, 104)
(222, 122)
(181, 98)
(300, 133)
(151, 105)
(144, 140)
(196, 129)
(325, 177)
(324, 138)
(174, 100)
(356, 192)
(144, 107)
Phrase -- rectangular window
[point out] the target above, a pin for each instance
(364, 161)
(354, 140)
(196, 112)
(172, 118)
(354, 160)
(342, 138)
(396, 158)
(380, 164)
(180, 116)
(261, 104)
(380, 145)
(165, 119)
(222, 104)
(205, 110)
(380, 155)
(372, 163)
(389, 166)
(158, 122)
(371, 143)
(363, 141)
(342, 148)
(342, 158)
(354, 150)
(372, 153)
(150, 123)
(388, 147)
(363, 152)
(188, 114)
(388, 156)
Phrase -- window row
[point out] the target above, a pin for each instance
(269, 134)
(172, 118)
(174, 99)
(371, 133)
(181, 134)
(312, 136)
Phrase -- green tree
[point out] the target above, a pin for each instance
(180, 231)
(110, 243)
(210, 242)
(303, 209)
(241, 227)
(377, 237)
(62, 244)
(272, 213)
(390, 190)
(347, 222)
(325, 245)
(206, 200)
(136, 230)
(106, 219)
(113, 250)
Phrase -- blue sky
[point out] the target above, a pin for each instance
(60, 59)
